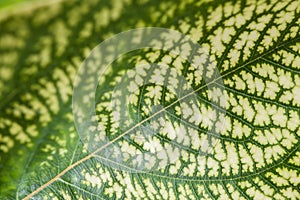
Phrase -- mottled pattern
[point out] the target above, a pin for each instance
(254, 44)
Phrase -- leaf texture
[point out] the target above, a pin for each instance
(238, 140)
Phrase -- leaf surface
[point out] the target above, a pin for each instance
(244, 145)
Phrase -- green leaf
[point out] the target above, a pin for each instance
(236, 136)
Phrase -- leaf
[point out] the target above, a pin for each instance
(238, 139)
